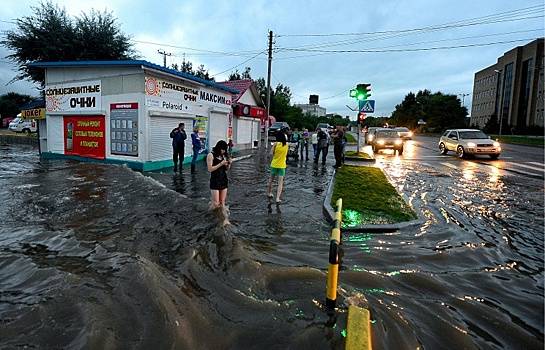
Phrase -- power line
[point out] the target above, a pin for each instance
(384, 35)
(418, 43)
(506, 13)
(227, 53)
(415, 49)
(238, 65)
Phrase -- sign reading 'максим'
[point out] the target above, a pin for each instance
(84, 96)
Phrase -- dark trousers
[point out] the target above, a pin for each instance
(177, 153)
(305, 146)
(324, 151)
(338, 151)
(194, 159)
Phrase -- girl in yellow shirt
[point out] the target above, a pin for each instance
(278, 165)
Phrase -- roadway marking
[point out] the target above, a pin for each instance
(452, 166)
(538, 164)
(528, 166)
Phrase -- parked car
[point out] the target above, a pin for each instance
(370, 135)
(468, 142)
(387, 139)
(405, 133)
(324, 127)
(273, 129)
(23, 125)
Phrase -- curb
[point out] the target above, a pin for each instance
(21, 140)
(357, 159)
(329, 213)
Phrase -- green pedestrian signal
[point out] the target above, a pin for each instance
(362, 92)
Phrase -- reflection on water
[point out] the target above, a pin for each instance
(101, 257)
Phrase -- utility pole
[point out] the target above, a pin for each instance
(268, 90)
(165, 54)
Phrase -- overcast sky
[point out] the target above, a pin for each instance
(239, 29)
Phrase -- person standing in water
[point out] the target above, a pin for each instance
(196, 142)
(278, 165)
(218, 163)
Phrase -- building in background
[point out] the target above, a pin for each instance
(511, 90)
(312, 108)
(248, 112)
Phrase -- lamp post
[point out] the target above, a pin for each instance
(497, 110)
(463, 98)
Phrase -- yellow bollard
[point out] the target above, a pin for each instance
(358, 329)
(333, 269)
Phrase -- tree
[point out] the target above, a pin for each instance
(11, 103)
(50, 34)
(237, 76)
(440, 111)
(187, 67)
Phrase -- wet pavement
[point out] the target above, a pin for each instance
(100, 256)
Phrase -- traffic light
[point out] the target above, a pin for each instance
(361, 117)
(363, 91)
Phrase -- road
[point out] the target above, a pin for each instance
(100, 256)
(514, 160)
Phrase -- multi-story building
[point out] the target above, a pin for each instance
(511, 90)
(312, 107)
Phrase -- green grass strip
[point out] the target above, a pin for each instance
(368, 197)
(357, 154)
(520, 140)
(350, 138)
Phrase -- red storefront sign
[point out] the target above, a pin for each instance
(242, 110)
(257, 112)
(85, 136)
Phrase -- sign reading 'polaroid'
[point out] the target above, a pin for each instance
(82, 96)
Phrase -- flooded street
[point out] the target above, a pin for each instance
(100, 256)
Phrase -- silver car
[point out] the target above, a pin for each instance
(468, 142)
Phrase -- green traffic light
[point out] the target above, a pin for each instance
(361, 97)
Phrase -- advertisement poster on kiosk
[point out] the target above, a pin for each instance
(201, 123)
(85, 136)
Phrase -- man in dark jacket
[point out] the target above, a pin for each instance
(323, 146)
(196, 142)
(178, 137)
(338, 143)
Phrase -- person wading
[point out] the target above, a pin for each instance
(178, 137)
(278, 165)
(196, 142)
(218, 163)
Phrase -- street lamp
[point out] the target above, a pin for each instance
(463, 98)
(497, 110)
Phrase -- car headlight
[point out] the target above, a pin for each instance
(370, 137)
(410, 134)
(471, 144)
(398, 142)
(380, 142)
(496, 144)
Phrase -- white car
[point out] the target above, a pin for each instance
(468, 142)
(23, 125)
(404, 133)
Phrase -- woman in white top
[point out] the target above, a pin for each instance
(314, 141)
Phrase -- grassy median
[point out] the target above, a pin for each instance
(368, 197)
(354, 154)
(350, 138)
(520, 140)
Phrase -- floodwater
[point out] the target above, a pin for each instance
(100, 256)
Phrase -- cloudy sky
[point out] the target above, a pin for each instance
(321, 47)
